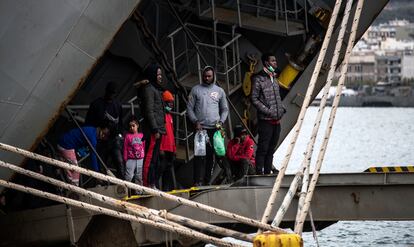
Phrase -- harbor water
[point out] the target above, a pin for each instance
(361, 138)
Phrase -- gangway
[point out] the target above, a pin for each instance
(349, 196)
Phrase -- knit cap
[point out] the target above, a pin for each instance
(167, 96)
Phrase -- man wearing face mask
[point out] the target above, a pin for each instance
(266, 98)
(207, 109)
(154, 126)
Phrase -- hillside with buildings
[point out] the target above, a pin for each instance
(381, 67)
(401, 9)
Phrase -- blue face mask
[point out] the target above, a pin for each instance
(168, 109)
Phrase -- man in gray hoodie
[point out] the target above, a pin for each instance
(207, 109)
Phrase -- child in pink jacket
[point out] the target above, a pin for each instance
(134, 151)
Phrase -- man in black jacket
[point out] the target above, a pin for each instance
(154, 126)
(107, 111)
(266, 98)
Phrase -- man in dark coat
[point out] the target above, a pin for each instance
(107, 111)
(154, 125)
(266, 98)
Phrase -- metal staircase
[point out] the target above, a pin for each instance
(278, 17)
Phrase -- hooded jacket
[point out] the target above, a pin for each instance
(266, 97)
(207, 104)
(152, 103)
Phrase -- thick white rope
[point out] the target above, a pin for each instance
(305, 167)
(308, 154)
(287, 200)
(136, 209)
(298, 125)
(141, 188)
(308, 199)
(116, 214)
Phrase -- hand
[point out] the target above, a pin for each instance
(198, 126)
(162, 153)
(219, 125)
(157, 135)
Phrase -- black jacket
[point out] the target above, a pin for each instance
(266, 97)
(153, 106)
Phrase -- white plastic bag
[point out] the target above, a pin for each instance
(200, 142)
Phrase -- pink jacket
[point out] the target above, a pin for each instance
(134, 146)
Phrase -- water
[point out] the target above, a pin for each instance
(361, 138)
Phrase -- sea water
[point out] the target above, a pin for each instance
(361, 138)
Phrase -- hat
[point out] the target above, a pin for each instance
(111, 88)
(238, 130)
(167, 96)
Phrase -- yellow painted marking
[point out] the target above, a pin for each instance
(372, 169)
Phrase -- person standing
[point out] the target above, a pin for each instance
(266, 98)
(207, 109)
(167, 146)
(240, 153)
(107, 111)
(134, 152)
(154, 122)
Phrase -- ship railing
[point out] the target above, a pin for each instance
(278, 11)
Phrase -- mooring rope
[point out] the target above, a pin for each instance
(116, 214)
(305, 167)
(122, 205)
(287, 200)
(351, 41)
(298, 125)
(141, 188)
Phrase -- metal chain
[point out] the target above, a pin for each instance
(159, 52)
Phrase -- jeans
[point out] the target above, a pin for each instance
(268, 138)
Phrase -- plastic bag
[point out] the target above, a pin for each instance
(219, 146)
(200, 141)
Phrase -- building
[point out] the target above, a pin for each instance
(361, 68)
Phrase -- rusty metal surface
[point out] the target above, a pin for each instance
(46, 49)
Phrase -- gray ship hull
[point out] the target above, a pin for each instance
(47, 49)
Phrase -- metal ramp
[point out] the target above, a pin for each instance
(257, 23)
(352, 196)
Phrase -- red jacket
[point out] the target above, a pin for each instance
(244, 150)
(168, 140)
